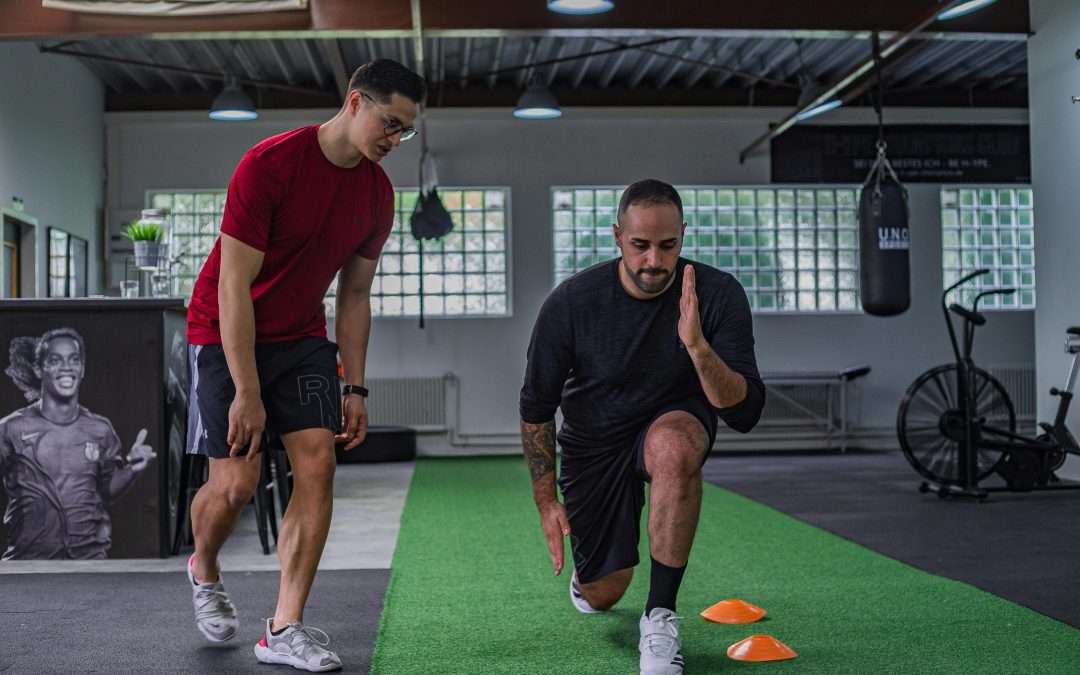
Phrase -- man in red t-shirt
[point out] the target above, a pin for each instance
(302, 207)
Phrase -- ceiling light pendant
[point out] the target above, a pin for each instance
(232, 104)
(580, 6)
(964, 8)
(537, 103)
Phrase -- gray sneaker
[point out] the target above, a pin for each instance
(215, 615)
(660, 646)
(298, 646)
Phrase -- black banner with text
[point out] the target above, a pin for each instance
(920, 153)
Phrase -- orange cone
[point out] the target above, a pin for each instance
(733, 611)
(760, 648)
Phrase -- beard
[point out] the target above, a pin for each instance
(651, 279)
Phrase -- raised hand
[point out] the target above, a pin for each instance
(141, 453)
(689, 317)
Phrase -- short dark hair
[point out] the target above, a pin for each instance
(649, 191)
(382, 78)
(43, 344)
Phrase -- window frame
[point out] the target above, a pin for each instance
(775, 188)
(996, 269)
(327, 301)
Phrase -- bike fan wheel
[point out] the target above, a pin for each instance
(930, 425)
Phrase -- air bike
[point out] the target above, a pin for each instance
(957, 425)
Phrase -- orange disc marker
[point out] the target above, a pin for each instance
(760, 648)
(733, 611)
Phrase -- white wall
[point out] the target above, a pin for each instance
(1053, 79)
(489, 147)
(52, 146)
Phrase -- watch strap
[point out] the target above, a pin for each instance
(354, 389)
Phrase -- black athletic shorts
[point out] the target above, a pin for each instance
(299, 385)
(604, 493)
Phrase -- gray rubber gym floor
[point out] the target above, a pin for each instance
(1020, 546)
(135, 616)
(141, 622)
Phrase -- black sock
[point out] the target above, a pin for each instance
(663, 586)
(278, 632)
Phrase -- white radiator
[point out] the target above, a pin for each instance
(1020, 383)
(417, 402)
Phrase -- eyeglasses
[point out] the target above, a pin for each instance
(390, 125)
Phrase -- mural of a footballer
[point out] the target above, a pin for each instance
(61, 465)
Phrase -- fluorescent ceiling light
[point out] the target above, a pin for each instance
(964, 8)
(819, 109)
(580, 6)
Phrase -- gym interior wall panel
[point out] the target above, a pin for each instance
(594, 147)
(1054, 78)
(52, 145)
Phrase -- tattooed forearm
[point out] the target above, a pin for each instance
(538, 442)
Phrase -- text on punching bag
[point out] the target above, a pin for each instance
(893, 238)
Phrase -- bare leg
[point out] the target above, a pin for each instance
(674, 450)
(216, 508)
(604, 592)
(307, 520)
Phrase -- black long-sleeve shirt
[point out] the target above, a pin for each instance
(610, 361)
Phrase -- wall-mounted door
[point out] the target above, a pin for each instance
(18, 255)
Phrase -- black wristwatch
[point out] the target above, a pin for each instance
(354, 389)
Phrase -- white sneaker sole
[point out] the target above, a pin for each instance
(218, 640)
(266, 655)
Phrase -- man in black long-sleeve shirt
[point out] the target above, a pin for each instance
(642, 354)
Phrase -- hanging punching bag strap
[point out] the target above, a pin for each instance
(881, 166)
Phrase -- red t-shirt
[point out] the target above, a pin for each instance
(308, 217)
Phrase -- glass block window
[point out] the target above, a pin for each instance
(791, 248)
(192, 223)
(994, 228)
(465, 273)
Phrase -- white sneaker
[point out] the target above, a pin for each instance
(660, 646)
(302, 647)
(215, 615)
(578, 600)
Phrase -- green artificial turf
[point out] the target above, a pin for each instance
(472, 591)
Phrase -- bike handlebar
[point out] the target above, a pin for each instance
(974, 317)
(995, 291)
(963, 280)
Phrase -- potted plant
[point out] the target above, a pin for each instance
(146, 234)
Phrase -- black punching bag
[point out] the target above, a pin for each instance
(884, 242)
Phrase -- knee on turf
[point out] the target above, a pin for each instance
(604, 593)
